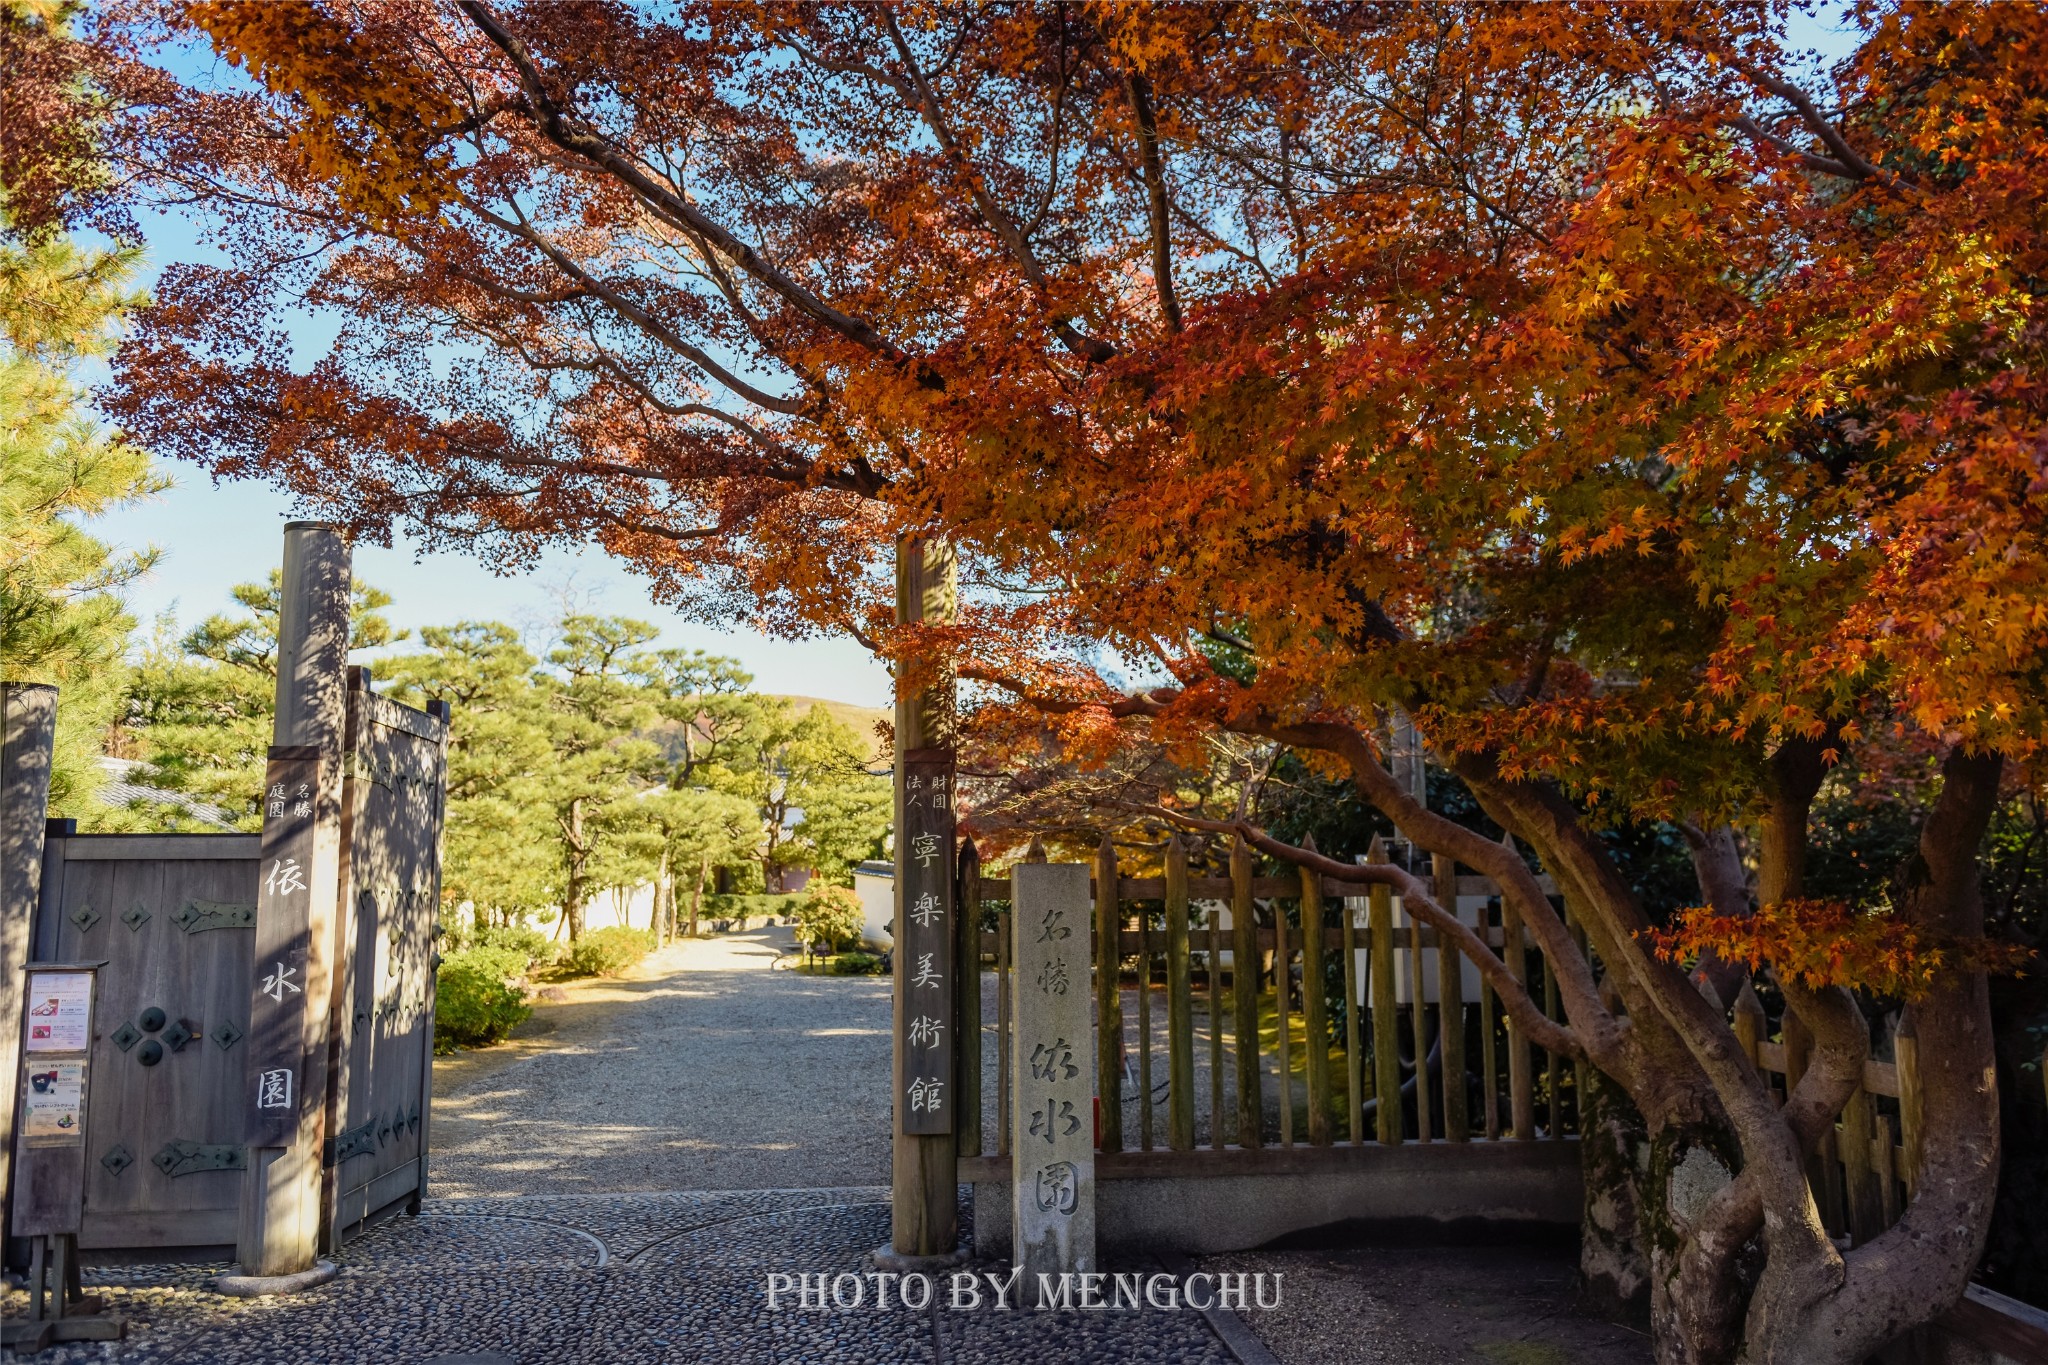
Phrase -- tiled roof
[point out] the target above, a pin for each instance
(120, 793)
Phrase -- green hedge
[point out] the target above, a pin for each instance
(748, 907)
(607, 952)
(478, 998)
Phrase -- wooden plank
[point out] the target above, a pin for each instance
(1553, 1069)
(1489, 1051)
(1180, 1019)
(156, 848)
(1450, 1010)
(1750, 1023)
(1386, 1047)
(1859, 1192)
(1109, 1011)
(1145, 1105)
(1881, 1078)
(1315, 1009)
(1416, 1160)
(1130, 943)
(1354, 1061)
(1215, 938)
(1244, 997)
(967, 1004)
(1264, 888)
(28, 734)
(1521, 1090)
(1581, 1072)
(1912, 1121)
(1884, 1168)
(187, 1228)
(394, 715)
(1283, 989)
(1418, 1028)
(1997, 1323)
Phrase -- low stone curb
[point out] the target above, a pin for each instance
(263, 1286)
(1230, 1329)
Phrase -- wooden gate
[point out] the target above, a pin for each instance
(380, 1075)
(171, 915)
(173, 918)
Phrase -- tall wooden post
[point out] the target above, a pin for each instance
(924, 1175)
(280, 1222)
(28, 736)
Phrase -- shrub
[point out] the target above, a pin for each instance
(830, 917)
(478, 998)
(533, 947)
(856, 964)
(741, 908)
(607, 952)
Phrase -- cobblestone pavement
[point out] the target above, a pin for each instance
(628, 1278)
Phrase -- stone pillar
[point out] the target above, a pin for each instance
(1052, 1137)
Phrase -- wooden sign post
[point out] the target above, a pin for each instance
(28, 733)
(49, 1156)
(298, 888)
(1052, 1138)
(924, 1175)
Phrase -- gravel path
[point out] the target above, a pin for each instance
(702, 1070)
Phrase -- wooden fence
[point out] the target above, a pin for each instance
(1324, 1054)
(1327, 1056)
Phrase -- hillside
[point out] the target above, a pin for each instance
(862, 718)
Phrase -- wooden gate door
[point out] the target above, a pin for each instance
(173, 917)
(380, 1073)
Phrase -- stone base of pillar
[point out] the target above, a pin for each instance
(263, 1286)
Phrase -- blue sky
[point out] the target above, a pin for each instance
(217, 535)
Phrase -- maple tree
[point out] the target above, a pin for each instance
(1653, 419)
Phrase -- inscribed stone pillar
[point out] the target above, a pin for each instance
(1052, 1140)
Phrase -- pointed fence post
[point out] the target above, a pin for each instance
(1314, 1008)
(1521, 1088)
(1180, 1019)
(1109, 1005)
(1354, 1032)
(1244, 996)
(967, 1003)
(1450, 1006)
(1386, 1046)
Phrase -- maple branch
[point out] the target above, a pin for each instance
(1155, 198)
(1005, 228)
(1538, 1027)
(1851, 165)
(632, 312)
(580, 138)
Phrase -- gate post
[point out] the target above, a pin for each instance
(28, 736)
(924, 1165)
(281, 1207)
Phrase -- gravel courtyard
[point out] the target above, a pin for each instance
(701, 1070)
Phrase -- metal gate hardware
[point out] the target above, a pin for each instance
(412, 1120)
(135, 917)
(150, 1053)
(183, 1157)
(225, 1035)
(85, 917)
(177, 1035)
(117, 1159)
(384, 1130)
(196, 917)
(358, 1141)
(153, 1019)
(127, 1036)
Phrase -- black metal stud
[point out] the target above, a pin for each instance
(85, 917)
(127, 1036)
(177, 1035)
(153, 1019)
(225, 1035)
(134, 917)
(150, 1053)
(117, 1159)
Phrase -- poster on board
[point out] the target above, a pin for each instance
(54, 1105)
(59, 1012)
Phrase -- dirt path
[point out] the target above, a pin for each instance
(702, 1069)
